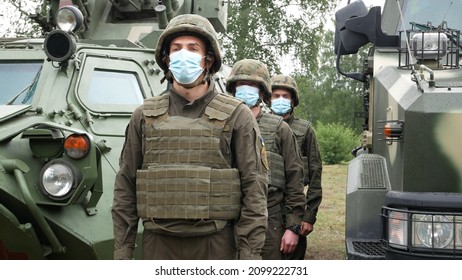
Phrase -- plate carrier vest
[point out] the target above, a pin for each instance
(268, 124)
(184, 174)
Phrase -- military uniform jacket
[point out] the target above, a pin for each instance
(283, 142)
(240, 145)
(309, 148)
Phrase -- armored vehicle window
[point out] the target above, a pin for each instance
(114, 88)
(111, 85)
(434, 12)
(18, 81)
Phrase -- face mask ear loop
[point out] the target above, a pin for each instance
(167, 74)
(256, 104)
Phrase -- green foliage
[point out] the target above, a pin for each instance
(268, 30)
(326, 95)
(264, 30)
(18, 15)
(336, 142)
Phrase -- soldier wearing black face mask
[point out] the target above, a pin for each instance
(192, 167)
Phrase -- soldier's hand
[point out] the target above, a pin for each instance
(289, 242)
(307, 228)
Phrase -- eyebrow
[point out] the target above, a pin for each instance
(188, 44)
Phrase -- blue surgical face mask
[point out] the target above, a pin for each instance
(185, 66)
(248, 94)
(281, 106)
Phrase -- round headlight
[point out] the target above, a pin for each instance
(435, 231)
(58, 179)
(69, 19)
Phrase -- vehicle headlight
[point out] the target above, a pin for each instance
(397, 229)
(69, 19)
(429, 45)
(433, 231)
(58, 179)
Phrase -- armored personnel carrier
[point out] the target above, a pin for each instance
(403, 198)
(66, 100)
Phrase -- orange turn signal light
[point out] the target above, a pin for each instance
(77, 146)
(393, 130)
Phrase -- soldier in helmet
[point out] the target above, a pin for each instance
(250, 81)
(284, 99)
(192, 164)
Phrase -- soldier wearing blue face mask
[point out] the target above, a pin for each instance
(193, 167)
(284, 98)
(249, 81)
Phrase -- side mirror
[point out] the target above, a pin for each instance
(346, 41)
(355, 27)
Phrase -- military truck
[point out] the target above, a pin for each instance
(66, 101)
(403, 197)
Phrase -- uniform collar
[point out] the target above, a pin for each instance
(177, 99)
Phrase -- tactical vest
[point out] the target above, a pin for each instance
(268, 124)
(300, 129)
(184, 174)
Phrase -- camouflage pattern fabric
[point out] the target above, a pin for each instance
(288, 83)
(249, 70)
(188, 24)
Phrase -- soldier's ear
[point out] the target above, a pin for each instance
(166, 58)
(209, 59)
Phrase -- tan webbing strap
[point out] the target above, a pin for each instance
(300, 128)
(188, 192)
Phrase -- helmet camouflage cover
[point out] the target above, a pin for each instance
(287, 83)
(188, 24)
(249, 70)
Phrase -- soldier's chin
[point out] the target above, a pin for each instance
(199, 81)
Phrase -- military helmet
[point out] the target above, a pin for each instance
(188, 24)
(287, 83)
(249, 70)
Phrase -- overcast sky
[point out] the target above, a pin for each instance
(366, 2)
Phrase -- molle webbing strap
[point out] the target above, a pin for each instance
(268, 127)
(155, 109)
(300, 129)
(221, 108)
(184, 141)
(188, 192)
(276, 174)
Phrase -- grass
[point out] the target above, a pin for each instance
(327, 241)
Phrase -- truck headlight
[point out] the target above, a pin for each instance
(57, 179)
(69, 19)
(427, 45)
(433, 231)
(427, 231)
